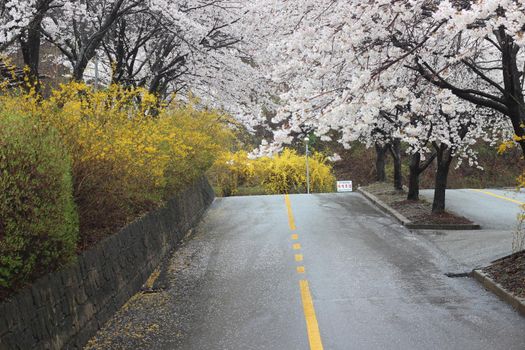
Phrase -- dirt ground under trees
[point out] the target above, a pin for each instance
(510, 273)
(419, 212)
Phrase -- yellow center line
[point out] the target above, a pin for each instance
(314, 336)
(499, 196)
(312, 327)
(291, 221)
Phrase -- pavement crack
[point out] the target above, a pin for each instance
(458, 274)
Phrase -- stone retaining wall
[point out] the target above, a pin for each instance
(64, 309)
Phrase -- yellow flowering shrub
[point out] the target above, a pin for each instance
(508, 144)
(282, 173)
(231, 170)
(204, 134)
(286, 173)
(128, 153)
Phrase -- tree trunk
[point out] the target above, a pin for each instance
(416, 169)
(380, 162)
(395, 149)
(79, 67)
(513, 96)
(31, 53)
(444, 158)
(88, 49)
(413, 177)
(30, 46)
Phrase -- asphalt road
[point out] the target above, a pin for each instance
(367, 283)
(491, 208)
(496, 210)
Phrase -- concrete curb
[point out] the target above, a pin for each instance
(502, 293)
(452, 227)
(385, 207)
(409, 224)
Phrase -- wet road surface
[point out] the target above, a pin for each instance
(311, 272)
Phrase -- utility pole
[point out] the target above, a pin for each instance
(306, 140)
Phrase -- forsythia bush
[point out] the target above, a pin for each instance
(38, 219)
(231, 170)
(128, 153)
(127, 161)
(286, 173)
(283, 173)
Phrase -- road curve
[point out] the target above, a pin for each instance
(249, 279)
(494, 209)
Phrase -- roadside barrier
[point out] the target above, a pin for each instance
(64, 309)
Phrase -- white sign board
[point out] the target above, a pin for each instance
(344, 186)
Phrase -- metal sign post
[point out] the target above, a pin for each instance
(306, 140)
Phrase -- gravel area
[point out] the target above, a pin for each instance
(135, 326)
(419, 212)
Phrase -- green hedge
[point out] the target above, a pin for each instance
(38, 218)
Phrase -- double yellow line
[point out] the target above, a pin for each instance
(312, 327)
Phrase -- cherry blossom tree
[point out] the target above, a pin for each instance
(185, 47)
(15, 17)
(77, 29)
(349, 65)
(188, 47)
(158, 48)
(470, 48)
(20, 22)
